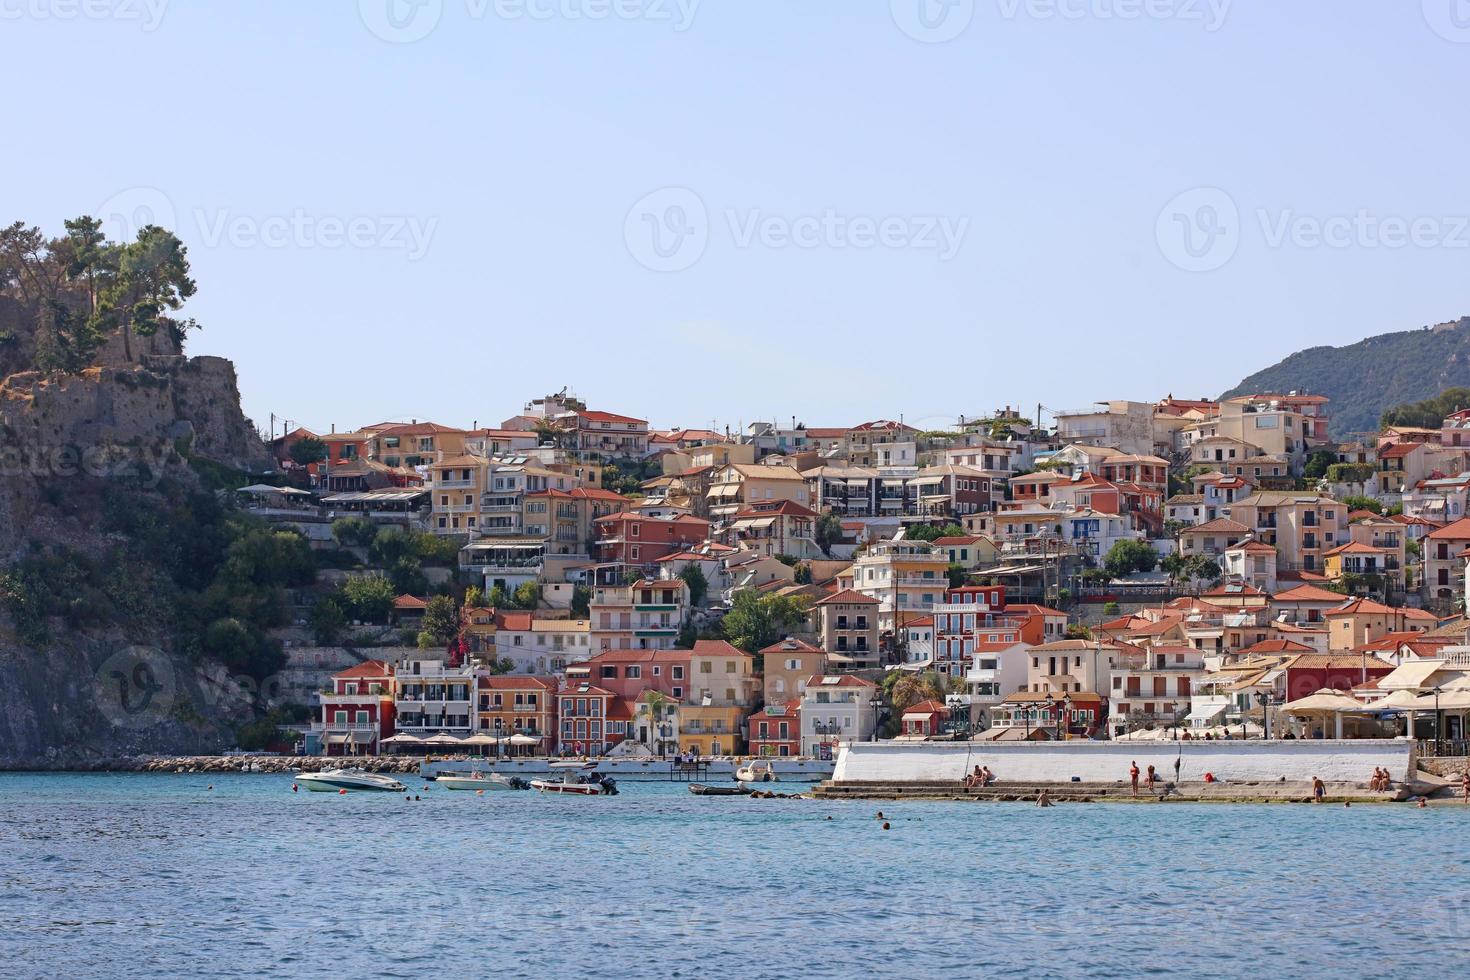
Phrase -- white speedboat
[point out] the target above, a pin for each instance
(333, 780)
(576, 778)
(482, 781)
(756, 772)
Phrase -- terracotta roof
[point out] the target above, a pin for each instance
(410, 602)
(1276, 646)
(818, 681)
(791, 644)
(848, 597)
(1220, 525)
(718, 648)
(1032, 609)
(1307, 593)
(513, 620)
(929, 707)
(369, 669)
(1357, 548)
(609, 417)
(1457, 531)
(1398, 449)
(515, 682)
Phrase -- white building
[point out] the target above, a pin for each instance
(434, 697)
(837, 709)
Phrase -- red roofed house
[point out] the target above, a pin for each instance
(1305, 604)
(1400, 465)
(1359, 622)
(628, 673)
(518, 704)
(775, 527)
(408, 610)
(616, 436)
(849, 625)
(971, 616)
(925, 719)
(786, 666)
(593, 719)
(969, 550)
(631, 539)
(1444, 563)
(357, 713)
(775, 730)
(837, 709)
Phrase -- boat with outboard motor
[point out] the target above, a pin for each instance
(481, 781)
(756, 772)
(336, 780)
(577, 779)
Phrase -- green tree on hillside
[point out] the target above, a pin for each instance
(1127, 557)
(828, 532)
(1429, 413)
(694, 578)
(756, 621)
(308, 450)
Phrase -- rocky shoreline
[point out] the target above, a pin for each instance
(262, 764)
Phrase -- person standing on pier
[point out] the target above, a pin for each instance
(1133, 777)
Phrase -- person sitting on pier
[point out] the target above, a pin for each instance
(972, 779)
(986, 777)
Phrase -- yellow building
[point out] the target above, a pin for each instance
(723, 690)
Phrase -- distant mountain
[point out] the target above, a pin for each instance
(1363, 379)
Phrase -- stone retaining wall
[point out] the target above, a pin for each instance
(1345, 761)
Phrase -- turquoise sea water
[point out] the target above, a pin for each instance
(146, 875)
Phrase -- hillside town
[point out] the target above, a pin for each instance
(1179, 569)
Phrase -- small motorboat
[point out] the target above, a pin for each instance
(576, 778)
(756, 772)
(333, 780)
(481, 781)
(702, 789)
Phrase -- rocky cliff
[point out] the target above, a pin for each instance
(108, 677)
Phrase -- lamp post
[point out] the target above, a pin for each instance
(1438, 723)
(876, 703)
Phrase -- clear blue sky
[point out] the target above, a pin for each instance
(1056, 138)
